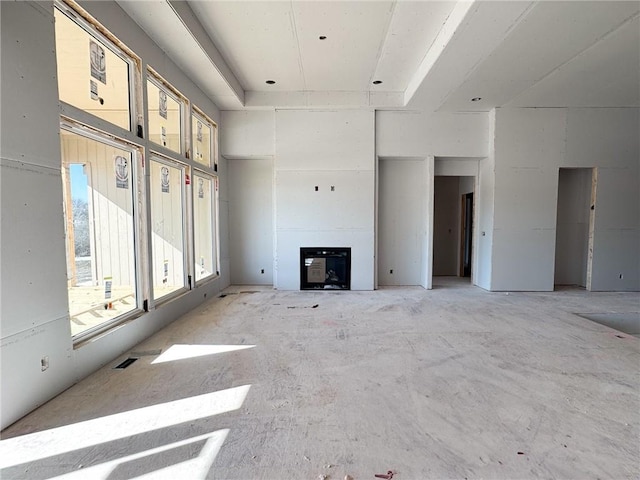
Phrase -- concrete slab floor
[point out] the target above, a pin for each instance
(261, 384)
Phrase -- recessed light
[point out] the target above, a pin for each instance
(377, 82)
(476, 99)
(270, 82)
(322, 37)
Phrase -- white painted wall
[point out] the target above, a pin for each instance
(530, 147)
(251, 225)
(572, 230)
(324, 149)
(401, 220)
(34, 319)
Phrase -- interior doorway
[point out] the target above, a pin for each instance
(572, 226)
(453, 226)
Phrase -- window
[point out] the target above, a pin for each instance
(203, 133)
(93, 75)
(113, 197)
(164, 114)
(99, 187)
(204, 228)
(167, 226)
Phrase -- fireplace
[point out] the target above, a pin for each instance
(325, 268)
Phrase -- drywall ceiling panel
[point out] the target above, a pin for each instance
(551, 34)
(257, 39)
(605, 75)
(413, 29)
(355, 31)
(472, 32)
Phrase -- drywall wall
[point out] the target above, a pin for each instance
(34, 312)
(530, 147)
(572, 229)
(248, 134)
(446, 225)
(419, 134)
(324, 149)
(33, 309)
(401, 220)
(482, 256)
(251, 226)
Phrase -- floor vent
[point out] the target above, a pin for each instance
(125, 364)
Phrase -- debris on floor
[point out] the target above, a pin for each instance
(322, 476)
(387, 476)
(328, 465)
(348, 477)
(307, 458)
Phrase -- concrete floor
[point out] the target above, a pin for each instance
(450, 383)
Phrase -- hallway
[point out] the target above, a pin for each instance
(455, 382)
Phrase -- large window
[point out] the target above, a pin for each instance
(204, 227)
(203, 136)
(99, 188)
(164, 114)
(141, 221)
(167, 225)
(93, 75)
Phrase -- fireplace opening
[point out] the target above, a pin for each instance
(323, 268)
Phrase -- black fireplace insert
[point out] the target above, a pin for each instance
(325, 268)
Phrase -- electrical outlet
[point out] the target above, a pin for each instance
(621, 276)
(44, 363)
(262, 271)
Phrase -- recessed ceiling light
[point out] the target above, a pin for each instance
(322, 37)
(270, 82)
(476, 99)
(377, 82)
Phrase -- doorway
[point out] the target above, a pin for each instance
(453, 226)
(572, 226)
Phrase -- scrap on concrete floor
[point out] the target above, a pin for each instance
(455, 382)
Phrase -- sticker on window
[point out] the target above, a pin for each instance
(94, 90)
(122, 172)
(200, 188)
(199, 131)
(98, 62)
(164, 179)
(162, 104)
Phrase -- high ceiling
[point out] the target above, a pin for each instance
(427, 54)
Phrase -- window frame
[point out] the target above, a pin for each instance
(185, 108)
(136, 151)
(186, 254)
(213, 140)
(214, 225)
(92, 27)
